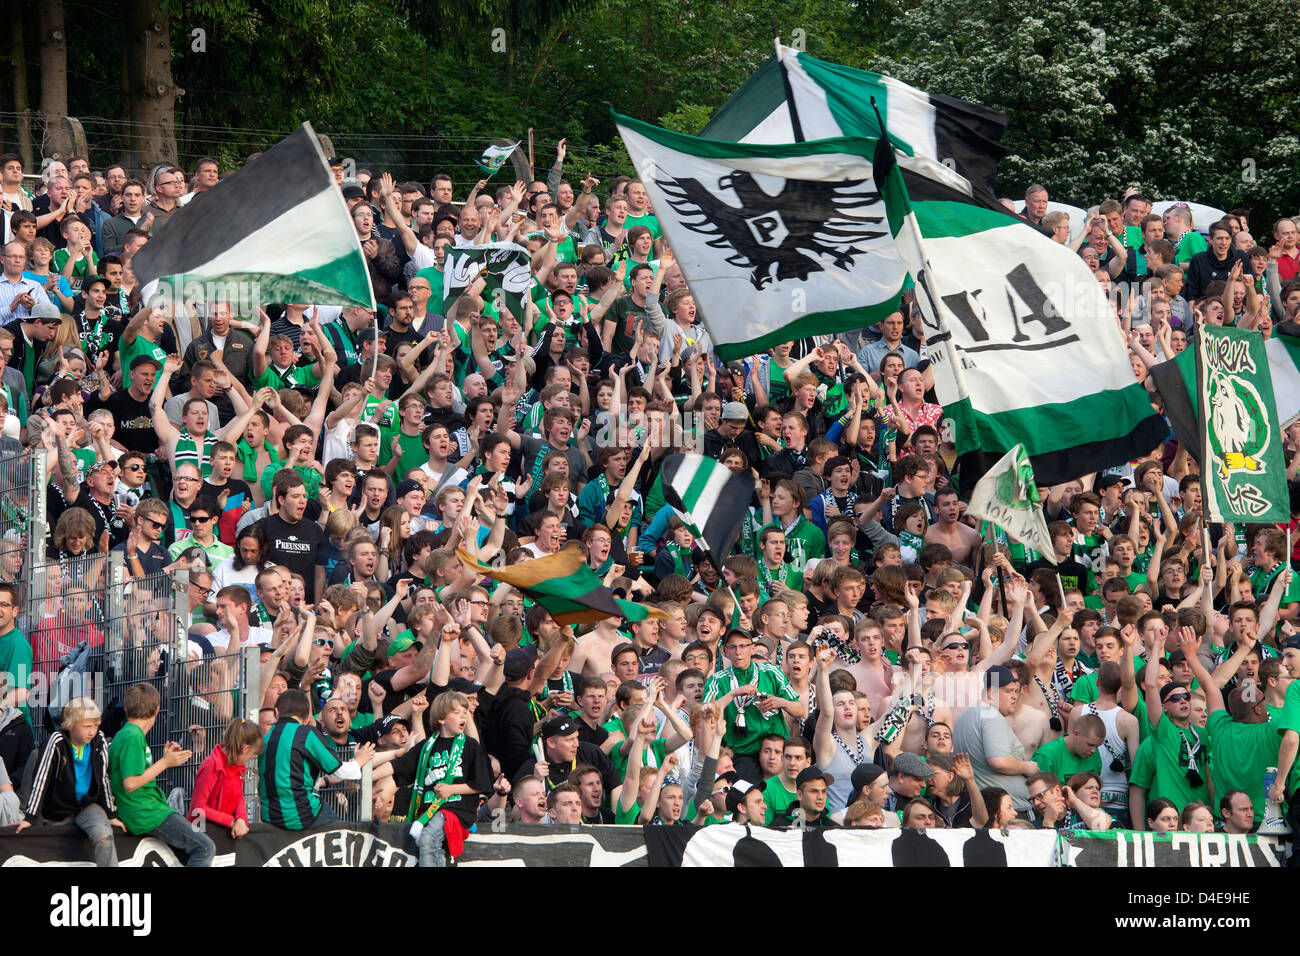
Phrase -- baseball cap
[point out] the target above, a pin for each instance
(402, 641)
(913, 765)
(864, 775)
(737, 793)
(1292, 642)
(103, 463)
(407, 485)
(812, 773)
(1105, 481)
(385, 724)
(1177, 657)
(94, 280)
(561, 726)
(999, 676)
(353, 192)
(144, 360)
(519, 662)
(735, 412)
(462, 686)
(1170, 688)
(45, 310)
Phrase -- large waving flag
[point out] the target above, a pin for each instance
(1007, 496)
(504, 267)
(278, 231)
(565, 585)
(1175, 381)
(776, 242)
(794, 97)
(1022, 340)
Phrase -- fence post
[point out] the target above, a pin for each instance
(250, 708)
(114, 613)
(38, 527)
(367, 800)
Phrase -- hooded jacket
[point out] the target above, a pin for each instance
(219, 790)
(54, 787)
(16, 743)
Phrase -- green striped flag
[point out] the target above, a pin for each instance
(276, 231)
(794, 97)
(776, 242)
(711, 497)
(565, 585)
(1022, 340)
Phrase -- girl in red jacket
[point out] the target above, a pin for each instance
(219, 785)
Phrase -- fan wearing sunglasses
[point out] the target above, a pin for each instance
(1182, 749)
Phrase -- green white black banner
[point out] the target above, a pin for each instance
(1023, 342)
(504, 267)
(1243, 467)
(1109, 849)
(776, 242)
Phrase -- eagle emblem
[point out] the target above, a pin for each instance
(803, 229)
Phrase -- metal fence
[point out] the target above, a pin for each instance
(22, 523)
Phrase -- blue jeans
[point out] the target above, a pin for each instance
(431, 843)
(94, 823)
(180, 835)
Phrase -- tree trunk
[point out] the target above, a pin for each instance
(153, 94)
(57, 141)
(23, 119)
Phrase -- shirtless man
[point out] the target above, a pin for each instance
(591, 656)
(932, 709)
(961, 539)
(873, 672)
(1030, 723)
(1119, 749)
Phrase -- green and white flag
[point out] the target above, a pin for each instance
(1008, 497)
(504, 266)
(494, 157)
(1243, 468)
(1023, 342)
(794, 97)
(276, 231)
(775, 242)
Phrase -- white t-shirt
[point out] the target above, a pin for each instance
(220, 640)
(224, 575)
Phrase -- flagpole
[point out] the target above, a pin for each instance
(1200, 424)
(789, 92)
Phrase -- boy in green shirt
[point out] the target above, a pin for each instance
(133, 775)
(1075, 751)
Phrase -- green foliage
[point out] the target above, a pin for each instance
(1177, 100)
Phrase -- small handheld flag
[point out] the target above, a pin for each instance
(494, 157)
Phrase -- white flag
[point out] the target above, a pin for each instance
(1008, 497)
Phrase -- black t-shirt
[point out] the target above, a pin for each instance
(474, 770)
(134, 422)
(295, 546)
(235, 487)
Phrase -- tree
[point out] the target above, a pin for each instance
(1183, 101)
(151, 92)
(54, 78)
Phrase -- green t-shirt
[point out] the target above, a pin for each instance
(649, 221)
(1055, 757)
(437, 283)
(145, 808)
(777, 798)
(414, 454)
(803, 541)
(16, 660)
(1261, 582)
(297, 376)
(1291, 721)
(1253, 749)
(652, 757)
(1172, 748)
(130, 351)
(744, 736)
(1188, 246)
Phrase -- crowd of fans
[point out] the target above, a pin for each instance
(867, 656)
